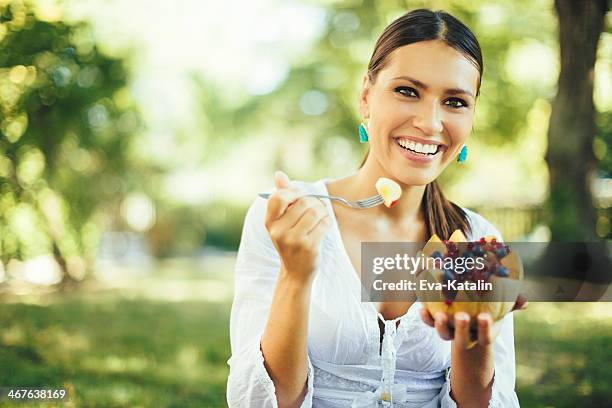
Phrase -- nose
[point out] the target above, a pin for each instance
(428, 119)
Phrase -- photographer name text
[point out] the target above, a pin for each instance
(451, 285)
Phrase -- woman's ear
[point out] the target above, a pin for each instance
(364, 109)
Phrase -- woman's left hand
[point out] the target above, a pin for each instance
(485, 334)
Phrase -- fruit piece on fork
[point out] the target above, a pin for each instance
(389, 190)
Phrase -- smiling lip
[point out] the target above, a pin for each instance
(419, 140)
(416, 157)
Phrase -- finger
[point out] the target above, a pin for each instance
(462, 329)
(484, 328)
(281, 180)
(279, 201)
(319, 230)
(441, 324)
(311, 219)
(303, 215)
(426, 317)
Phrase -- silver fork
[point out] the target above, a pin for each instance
(361, 204)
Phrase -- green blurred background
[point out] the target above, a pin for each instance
(134, 135)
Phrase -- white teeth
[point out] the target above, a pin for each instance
(418, 147)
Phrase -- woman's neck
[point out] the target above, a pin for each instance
(362, 184)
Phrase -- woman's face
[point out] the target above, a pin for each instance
(419, 110)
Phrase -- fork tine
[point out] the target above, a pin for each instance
(370, 202)
(374, 199)
(378, 199)
(367, 204)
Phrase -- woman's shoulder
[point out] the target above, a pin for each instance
(480, 226)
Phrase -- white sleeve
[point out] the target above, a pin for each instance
(257, 267)
(502, 394)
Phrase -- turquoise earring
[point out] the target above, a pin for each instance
(363, 133)
(463, 154)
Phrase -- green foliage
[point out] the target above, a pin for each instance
(602, 146)
(66, 124)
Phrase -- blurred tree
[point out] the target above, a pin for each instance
(570, 156)
(572, 129)
(66, 121)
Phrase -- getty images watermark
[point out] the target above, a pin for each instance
(541, 271)
(412, 265)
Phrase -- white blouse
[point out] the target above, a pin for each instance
(345, 365)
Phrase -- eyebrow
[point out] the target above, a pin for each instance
(419, 84)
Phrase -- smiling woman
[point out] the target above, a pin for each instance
(300, 335)
(427, 91)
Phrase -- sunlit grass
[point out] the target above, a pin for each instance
(128, 353)
(131, 346)
(563, 354)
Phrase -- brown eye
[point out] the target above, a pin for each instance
(456, 103)
(407, 91)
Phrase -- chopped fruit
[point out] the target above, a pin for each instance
(389, 190)
(502, 268)
(457, 236)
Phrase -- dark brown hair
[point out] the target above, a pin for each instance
(442, 217)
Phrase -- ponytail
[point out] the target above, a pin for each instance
(442, 216)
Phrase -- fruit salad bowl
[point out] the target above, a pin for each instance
(490, 283)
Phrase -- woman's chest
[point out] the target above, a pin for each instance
(355, 232)
(351, 336)
(344, 330)
(357, 228)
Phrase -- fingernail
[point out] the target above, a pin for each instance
(462, 316)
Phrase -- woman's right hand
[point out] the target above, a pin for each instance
(296, 225)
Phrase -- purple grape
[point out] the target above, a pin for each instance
(500, 253)
(502, 271)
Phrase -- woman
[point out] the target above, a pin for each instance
(300, 334)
